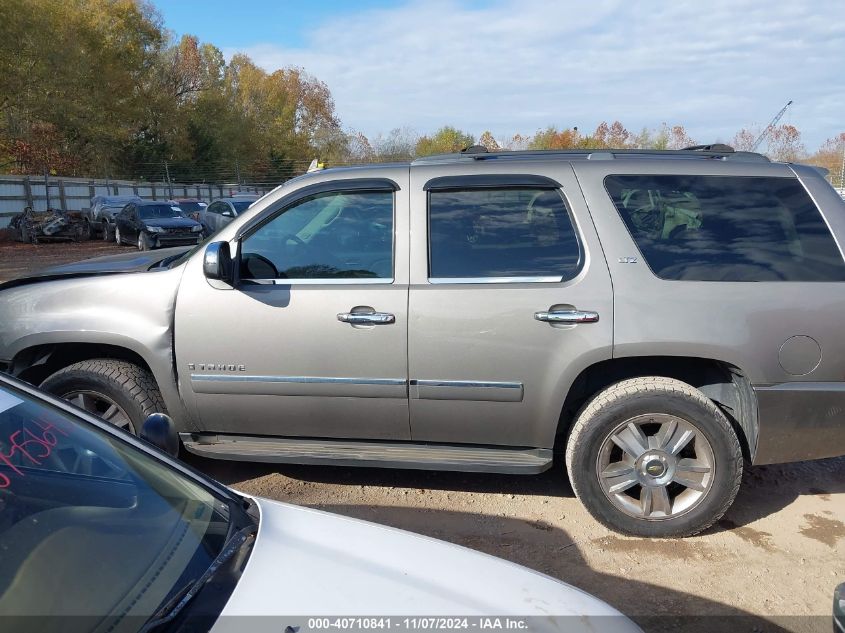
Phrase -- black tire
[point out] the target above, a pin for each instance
(608, 412)
(143, 241)
(131, 387)
(86, 232)
(108, 232)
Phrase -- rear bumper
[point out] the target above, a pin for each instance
(799, 421)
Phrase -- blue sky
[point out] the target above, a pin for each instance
(520, 65)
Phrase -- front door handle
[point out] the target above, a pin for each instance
(567, 316)
(366, 318)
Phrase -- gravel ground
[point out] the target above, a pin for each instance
(770, 565)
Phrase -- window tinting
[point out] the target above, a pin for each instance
(327, 236)
(727, 228)
(508, 232)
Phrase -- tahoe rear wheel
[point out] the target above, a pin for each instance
(654, 457)
(117, 391)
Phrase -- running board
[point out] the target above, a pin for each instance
(526, 461)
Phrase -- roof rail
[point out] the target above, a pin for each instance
(715, 147)
(716, 151)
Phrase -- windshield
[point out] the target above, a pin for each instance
(159, 211)
(92, 526)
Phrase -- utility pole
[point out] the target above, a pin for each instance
(169, 184)
(238, 173)
(47, 186)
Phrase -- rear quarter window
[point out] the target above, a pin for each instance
(726, 228)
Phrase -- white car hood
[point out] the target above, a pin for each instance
(308, 563)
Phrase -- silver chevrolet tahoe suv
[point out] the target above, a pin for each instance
(656, 319)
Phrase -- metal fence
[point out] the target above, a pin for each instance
(74, 194)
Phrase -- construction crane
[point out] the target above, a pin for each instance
(769, 127)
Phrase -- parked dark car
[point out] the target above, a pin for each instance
(191, 207)
(155, 225)
(100, 216)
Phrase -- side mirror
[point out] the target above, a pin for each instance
(217, 262)
(227, 214)
(159, 430)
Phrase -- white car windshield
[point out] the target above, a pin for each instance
(91, 526)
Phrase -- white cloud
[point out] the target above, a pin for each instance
(519, 65)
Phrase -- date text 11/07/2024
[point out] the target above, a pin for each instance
(418, 623)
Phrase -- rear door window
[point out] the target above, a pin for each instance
(726, 228)
(510, 233)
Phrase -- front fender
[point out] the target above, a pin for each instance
(133, 311)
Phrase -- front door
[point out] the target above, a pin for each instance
(312, 341)
(510, 300)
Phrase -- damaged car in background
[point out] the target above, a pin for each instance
(52, 224)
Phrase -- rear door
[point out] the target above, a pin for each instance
(732, 261)
(510, 299)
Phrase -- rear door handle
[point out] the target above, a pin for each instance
(567, 316)
(366, 318)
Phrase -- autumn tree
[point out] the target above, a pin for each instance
(678, 138)
(830, 157)
(489, 142)
(552, 138)
(446, 139)
(398, 145)
(613, 136)
(784, 144)
(517, 142)
(75, 67)
(744, 140)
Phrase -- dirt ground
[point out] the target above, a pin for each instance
(17, 259)
(770, 565)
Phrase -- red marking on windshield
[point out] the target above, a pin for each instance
(33, 446)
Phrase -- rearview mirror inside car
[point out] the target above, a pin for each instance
(158, 429)
(217, 262)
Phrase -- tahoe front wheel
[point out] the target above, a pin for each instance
(654, 457)
(118, 391)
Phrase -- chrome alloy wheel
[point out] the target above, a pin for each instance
(101, 406)
(655, 466)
